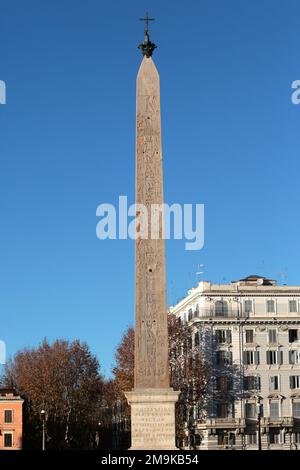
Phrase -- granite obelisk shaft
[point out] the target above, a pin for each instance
(151, 335)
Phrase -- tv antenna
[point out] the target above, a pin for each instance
(200, 272)
(283, 276)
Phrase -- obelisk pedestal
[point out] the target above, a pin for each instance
(152, 400)
(152, 418)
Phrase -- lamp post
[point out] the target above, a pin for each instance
(258, 411)
(97, 437)
(43, 416)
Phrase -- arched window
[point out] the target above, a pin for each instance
(221, 308)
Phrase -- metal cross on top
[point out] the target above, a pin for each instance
(147, 19)
(147, 47)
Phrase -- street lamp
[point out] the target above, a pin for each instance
(43, 417)
(97, 437)
(258, 412)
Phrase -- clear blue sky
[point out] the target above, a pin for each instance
(67, 144)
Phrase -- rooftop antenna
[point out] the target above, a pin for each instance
(283, 275)
(200, 272)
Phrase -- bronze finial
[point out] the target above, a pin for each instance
(147, 47)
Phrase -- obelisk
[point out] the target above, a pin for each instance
(152, 400)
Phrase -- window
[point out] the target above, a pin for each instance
(222, 410)
(225, 410)
(296, 409)
(184, 318)
(293, 336)
(248, 306)
(249, 336)
(295, 381)
(250, 410)
(293, 306)
(223, 383)
(272, 336)
(251, 357)
(274, 409)
(196, 313)
(224, 358)
(270, 306)
(297, 437)
(8, 416)
(221, 308)
(225, 438)
(274, 382)
(275, 436)
(252, 438)
(197, 439)
(223, 336)
(252, 382)
(190, 314)
(274, 357)
(197, 338)
(294, 357)
(8, 442)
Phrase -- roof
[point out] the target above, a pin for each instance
(252, 277)
(4, 390)
(255, 277)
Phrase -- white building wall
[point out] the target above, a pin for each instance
(259, 291)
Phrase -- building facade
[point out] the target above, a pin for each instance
(249, 334)
(11, 420)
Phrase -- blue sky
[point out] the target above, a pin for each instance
(67, 144)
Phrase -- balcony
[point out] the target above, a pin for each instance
(217, 314)
(220, 423)
(283, 422)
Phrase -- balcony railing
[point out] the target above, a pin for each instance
(285, 421)
(218, 314)
(224, 422)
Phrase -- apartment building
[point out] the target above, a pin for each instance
(249, 332)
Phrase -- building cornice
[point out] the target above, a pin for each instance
(246, 321)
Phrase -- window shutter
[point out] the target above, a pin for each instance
(257, 382)
(228, 336)
(280, 357)
(257, 357)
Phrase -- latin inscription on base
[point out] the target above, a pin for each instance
(152, 418)
(153, 424)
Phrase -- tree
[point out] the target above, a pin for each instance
(124, 356)
(63, 379)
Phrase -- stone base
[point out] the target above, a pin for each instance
(152, 418)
